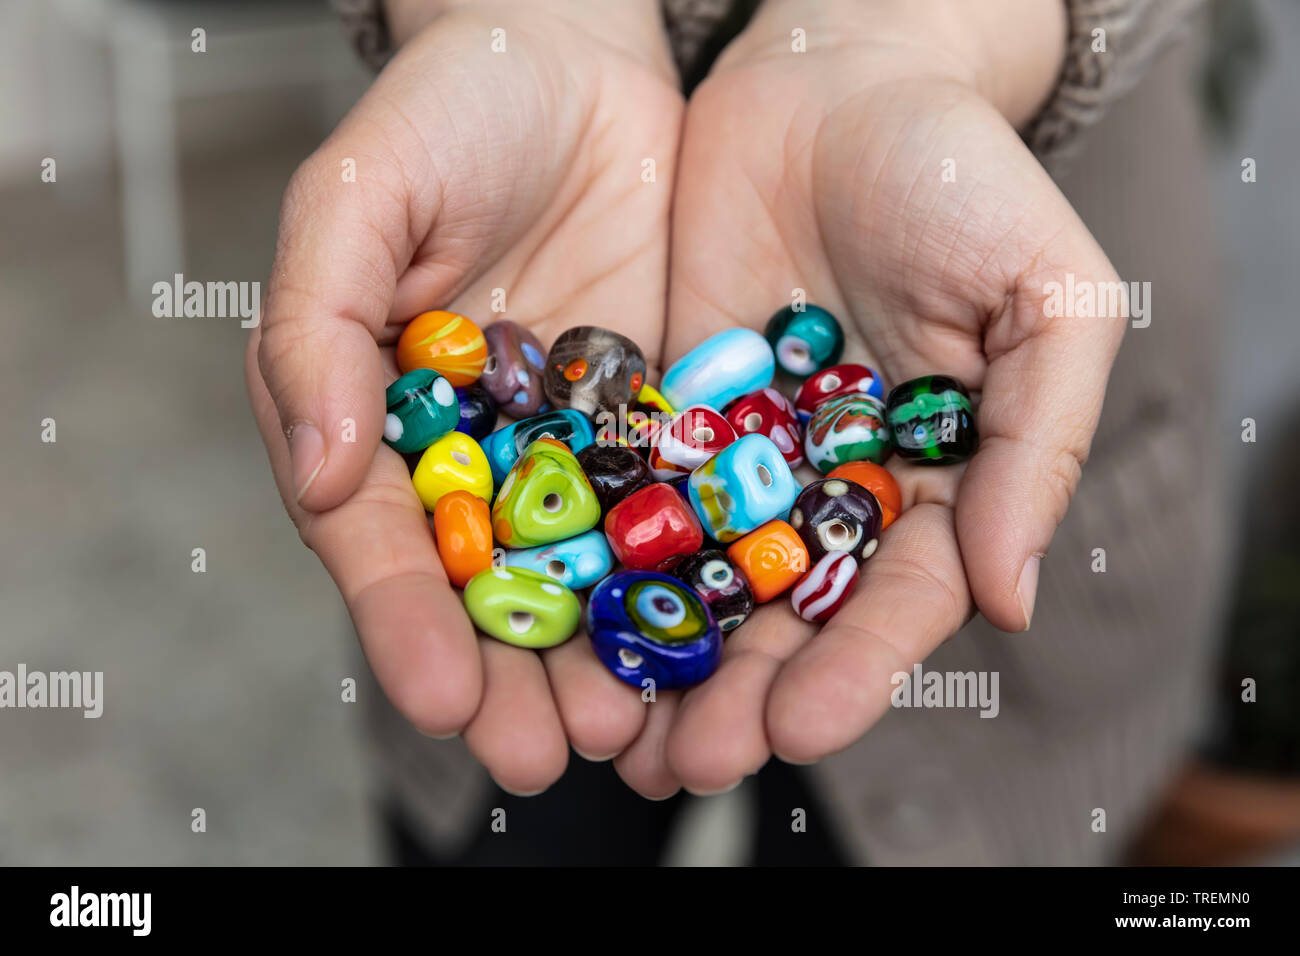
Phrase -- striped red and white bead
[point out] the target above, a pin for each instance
(821, 592)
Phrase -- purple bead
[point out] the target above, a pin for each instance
(514, 369)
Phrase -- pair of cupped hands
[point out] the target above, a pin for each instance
(879, 171)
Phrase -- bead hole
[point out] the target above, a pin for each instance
(520, 621)
(752, 421)
(702, 433)
(836, 534)
(553, 502)
(555, 568)
(830, 383)
(799, 353)
(630, 659)
(460, 458)
(490, 366)
(764, 476)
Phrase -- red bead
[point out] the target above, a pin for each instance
(651, 526)
(824, 589)
(695, 435)
(769, 413)
(832, 383)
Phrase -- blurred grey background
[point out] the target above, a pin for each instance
(223, 688)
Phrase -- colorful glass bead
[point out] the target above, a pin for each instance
(772, 558)
(648, 626)
(522, 607)
(834, 382)
(804, 341)
(848, 428)
(577, 562)
(933, 420)
(422, 407)
(462, 526)
(651, 526)
(832, 514)
(744, 485)
(478, 412)
(504, 447)
(514, 368)
(695, 435)
(877, 480)
(446, 342)
(821, 592)
(769, 413)
(614, 472)
(453, 463)
(544, 498)
(591, 369)
(719, 370)
(721, 585)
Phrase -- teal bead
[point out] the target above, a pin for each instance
(522, 607)
(503, 447)
(577, 562)
(806, 341)
(422, 407)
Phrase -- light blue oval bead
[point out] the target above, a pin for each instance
(745, 485)
(504, 447)
(586, 558)
(719, 370)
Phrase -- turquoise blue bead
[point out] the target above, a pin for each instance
(422, 407)
(720, 370)
(745, 485)
(806, 341)
(504, 447)
(577, 562)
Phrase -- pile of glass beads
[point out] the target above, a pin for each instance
(677, 507)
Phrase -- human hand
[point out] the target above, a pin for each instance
(824, 171)
(475, 170)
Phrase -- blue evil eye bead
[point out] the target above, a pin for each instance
(478, 411)
(648, 626)
(422, 408)
(720, 370)
(504, 447)
(577, 562)
(804, 341)
(745, 485)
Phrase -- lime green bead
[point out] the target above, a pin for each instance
(454, 462)
(545, 497)
(522, 607)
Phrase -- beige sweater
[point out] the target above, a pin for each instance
(1099, 701)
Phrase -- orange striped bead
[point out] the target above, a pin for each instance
(446, 342)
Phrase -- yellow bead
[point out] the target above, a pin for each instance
(454, 462)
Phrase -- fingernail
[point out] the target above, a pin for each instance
(1027, 587)
(307, 449)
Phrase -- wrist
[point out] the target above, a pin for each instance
(1009, 51)
(634, 27)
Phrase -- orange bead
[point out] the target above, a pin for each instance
(879, 482)
(773, 558)
(463, 526)
(446, 342)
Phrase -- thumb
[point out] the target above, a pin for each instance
(340, 248)
(1041, 398)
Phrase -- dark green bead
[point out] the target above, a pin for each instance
(422, 407)
(804, 342)
(932, 421)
